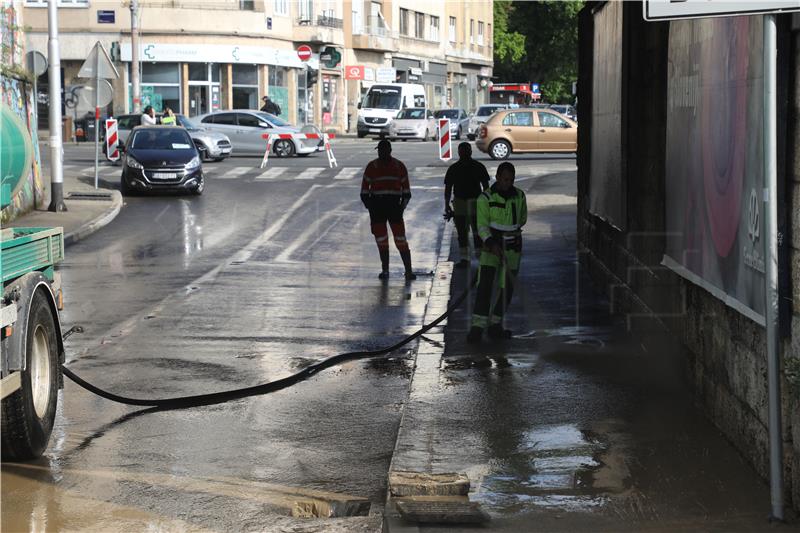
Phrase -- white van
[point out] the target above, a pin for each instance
(382, 103)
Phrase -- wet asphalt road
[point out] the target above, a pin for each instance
(262, 275)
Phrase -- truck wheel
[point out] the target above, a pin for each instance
(28, 413)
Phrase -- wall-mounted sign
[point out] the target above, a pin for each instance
(330, 57)
(369, 74)
(106, 16)
(354, 72)
(217, 53)
(535, 88)
(672, 9)
(269, 23)
(385, 75)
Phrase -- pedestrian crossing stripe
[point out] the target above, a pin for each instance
(347, 173)
(235, 172)
(310, 173)
(271, 174)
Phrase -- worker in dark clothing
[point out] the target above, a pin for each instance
(270, 106)
(502, 211)
(465, 179)
(385, 192)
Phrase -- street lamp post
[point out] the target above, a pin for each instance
(56, 142)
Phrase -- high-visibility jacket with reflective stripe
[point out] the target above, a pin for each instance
(385, 179)
(499, 214)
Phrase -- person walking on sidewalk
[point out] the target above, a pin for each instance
(385, 192)
(502, 211)
(465, 179)
(270, 106)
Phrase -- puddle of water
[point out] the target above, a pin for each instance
(560, 466)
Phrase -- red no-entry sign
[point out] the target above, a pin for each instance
(304, 52)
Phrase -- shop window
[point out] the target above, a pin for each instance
(245, 75)
(278, 92)
(160, 73)
(330, 104)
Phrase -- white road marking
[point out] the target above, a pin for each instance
(271, 174)
(309, 173)
(236, 172)
(348, 173)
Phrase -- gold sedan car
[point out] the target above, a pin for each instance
(527, 130)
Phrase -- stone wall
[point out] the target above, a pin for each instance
(723, 351)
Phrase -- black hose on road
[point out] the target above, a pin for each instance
(182, 402)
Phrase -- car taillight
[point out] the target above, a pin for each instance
(483, 133)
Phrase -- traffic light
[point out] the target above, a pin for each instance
(311, 77)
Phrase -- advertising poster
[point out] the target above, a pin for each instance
(714, 159)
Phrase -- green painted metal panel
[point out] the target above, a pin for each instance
(24, 250)
(16, 153)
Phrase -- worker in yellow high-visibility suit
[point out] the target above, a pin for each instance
(502, 211)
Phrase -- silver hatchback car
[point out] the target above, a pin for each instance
(247, 129)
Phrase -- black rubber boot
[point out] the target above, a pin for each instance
(496, 332)
(406, 257)
(474, 335)
(384, 264)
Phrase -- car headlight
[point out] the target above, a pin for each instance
(132, 163)
(193, 164)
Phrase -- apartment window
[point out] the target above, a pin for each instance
(452, 29)
(281, 7)
(480, 33)
(247, 5)
(419, 26)
(306, 10)
(489, 34)
(404, 22)
(434, 32)
(471, 31)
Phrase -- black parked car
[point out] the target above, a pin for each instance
(161, 158)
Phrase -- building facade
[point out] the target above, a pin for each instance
(198, 57)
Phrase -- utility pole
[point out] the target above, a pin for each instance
(135, 86)
(56, 142)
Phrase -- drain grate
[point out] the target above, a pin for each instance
(104, 196)
(442, 512)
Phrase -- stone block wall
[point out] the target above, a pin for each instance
(724, 352)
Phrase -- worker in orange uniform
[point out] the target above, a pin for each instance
(385, 192)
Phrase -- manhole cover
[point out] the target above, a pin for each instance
(442, 512)
(89, 196)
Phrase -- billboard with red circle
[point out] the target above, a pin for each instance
(354, 72)
(714, 158)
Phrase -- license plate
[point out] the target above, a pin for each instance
(164, 175)
(374, 130)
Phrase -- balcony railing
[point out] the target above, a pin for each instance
(322, 20)
(330, 22)
(375, 26)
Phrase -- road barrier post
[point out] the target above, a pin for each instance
(445, 151)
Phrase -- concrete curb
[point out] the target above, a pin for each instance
(426, 370)
(93, 225)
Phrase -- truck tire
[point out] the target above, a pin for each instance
(28, 414)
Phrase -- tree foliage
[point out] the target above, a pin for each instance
(508, 46)
(549, 35)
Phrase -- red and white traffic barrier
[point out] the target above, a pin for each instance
(112, 139)
(326, 137)
(445, 148)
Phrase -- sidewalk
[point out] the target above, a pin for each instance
(572, 425)
(88, 209)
